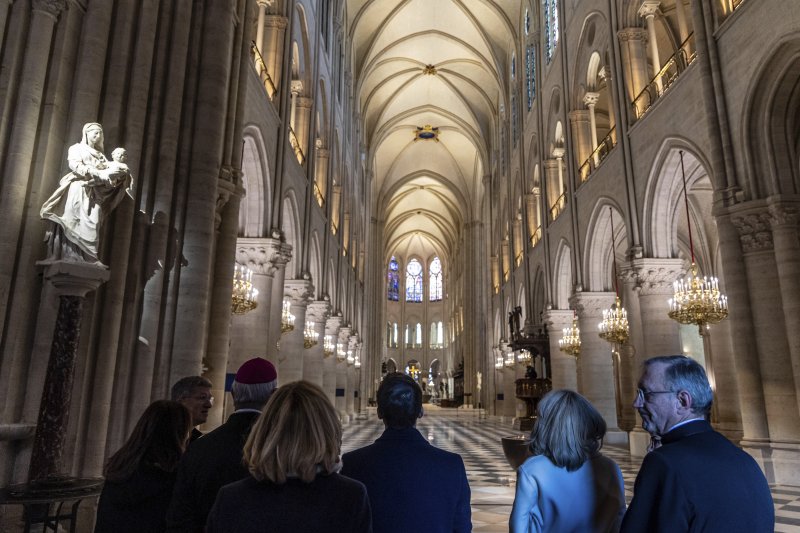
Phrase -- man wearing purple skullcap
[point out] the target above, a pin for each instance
(216, 459)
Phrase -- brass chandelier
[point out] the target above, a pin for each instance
(310, 336)
(287, 318)
(696, 300)
(328, 347)
(570, 343)
(340, 353)
(244, 295)
(614, 327)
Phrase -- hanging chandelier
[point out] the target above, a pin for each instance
(340, 353)
(357, 363)
(287, 318)
(328, 347)
(696, 300)
(524, 356)
(510, 359)
(498, 362)
(614, 327)
(350, 358)
(243, 297)
(570, 343)
(310, 336)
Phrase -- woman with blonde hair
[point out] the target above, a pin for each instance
(293, 456)
(568, 485)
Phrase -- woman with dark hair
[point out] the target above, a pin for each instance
(293, 454)
(140, 476)
(568, 485)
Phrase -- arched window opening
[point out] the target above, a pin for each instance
(440, 334)
(394, 335)
(393, 281)
(435, 293)
(418, 336)
(414, 281)
(530, 74)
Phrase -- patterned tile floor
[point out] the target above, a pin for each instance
(476, 438)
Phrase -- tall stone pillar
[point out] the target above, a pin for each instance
(341, 375)
(274, 31)
(648, 10)
(303, 122)
(581, 136)
(634, 61)
(553, 187)
(276, 303)
(596, 376)
(321, 170)
(68, 283)
(332, 326)
(313, 362)
(20, 154)
(352, 347)
(590, 99)
(291, 352)
(563, 367)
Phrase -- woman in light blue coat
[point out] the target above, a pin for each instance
(568, 486)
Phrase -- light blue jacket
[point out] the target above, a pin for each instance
(548, 498)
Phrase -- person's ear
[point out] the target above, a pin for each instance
(685, 400)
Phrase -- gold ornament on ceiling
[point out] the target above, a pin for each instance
(426, 133)
(429, 70)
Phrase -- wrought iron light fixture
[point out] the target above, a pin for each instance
(340, 353)
(244, 295)
(524, 356)
(328, 347)
(696, 300)
(570, 343)
(350, 358)
(310, 336)
(287, 318)
(614, 327)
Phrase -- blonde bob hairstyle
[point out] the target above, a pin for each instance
(297, 435)
(568, 430)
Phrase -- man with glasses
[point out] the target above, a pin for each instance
(696, 480)
(194, 392)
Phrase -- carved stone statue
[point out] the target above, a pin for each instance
(85, 197)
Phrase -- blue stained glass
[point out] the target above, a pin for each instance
(393, 281)
(414, 281)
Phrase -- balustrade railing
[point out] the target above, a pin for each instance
(298, 150)
(558, 206)
(318, 196)
(662, 81)
(263, 73)
(600, 153)
(537, 236)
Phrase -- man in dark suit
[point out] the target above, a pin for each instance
(412, 486)
(216, 459)
(696, 480)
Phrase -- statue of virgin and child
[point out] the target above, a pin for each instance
(85, 197)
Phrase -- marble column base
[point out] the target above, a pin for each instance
(638, 440)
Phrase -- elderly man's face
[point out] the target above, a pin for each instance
(198, 403)
(657, 405)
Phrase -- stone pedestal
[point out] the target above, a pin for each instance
(69, 282)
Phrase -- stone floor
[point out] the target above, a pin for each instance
(476, 437)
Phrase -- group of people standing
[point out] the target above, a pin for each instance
(276, 465)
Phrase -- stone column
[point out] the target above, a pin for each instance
(262, 12)
(302, 122)
(332, 326)
(590, 99)
(251, 332)
(506, 257)
(290, 356)
(634, 61)
(276, 303)
(341, 376)
(579, 118)
(519, 248)
(321, 169)
(773, 350)
(352, 347)
(20, 153)
(558, 153)
(274, 29)
(509, 390)
(596, 376)
(530, 208)
(605, 74)
(313, 360)
(69, 282)
(648, 10)
(550, 167)
(683, 27)
(563, 367)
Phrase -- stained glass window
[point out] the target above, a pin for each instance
(530, 74)
(394, 280)
(414, 281)
(435, 293)
(550, 20)
(527, 22)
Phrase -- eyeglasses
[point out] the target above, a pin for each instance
(642, 395)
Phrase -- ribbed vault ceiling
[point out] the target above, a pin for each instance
(425, 190)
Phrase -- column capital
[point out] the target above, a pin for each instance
(754, 229)
(649, 8)
(296, 87)
(591, 304)
(557, 319)
(332, 325)
(632, 34)
(265, 3)
(591, 98)
(74, 278)
(784, 214)
(318, 311)
(276, 21)
(558, 152)
(653, 275)
(299, 291)
(262, 255)
(52, 8)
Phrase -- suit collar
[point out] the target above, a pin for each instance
(406, 434)
(685, 430)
